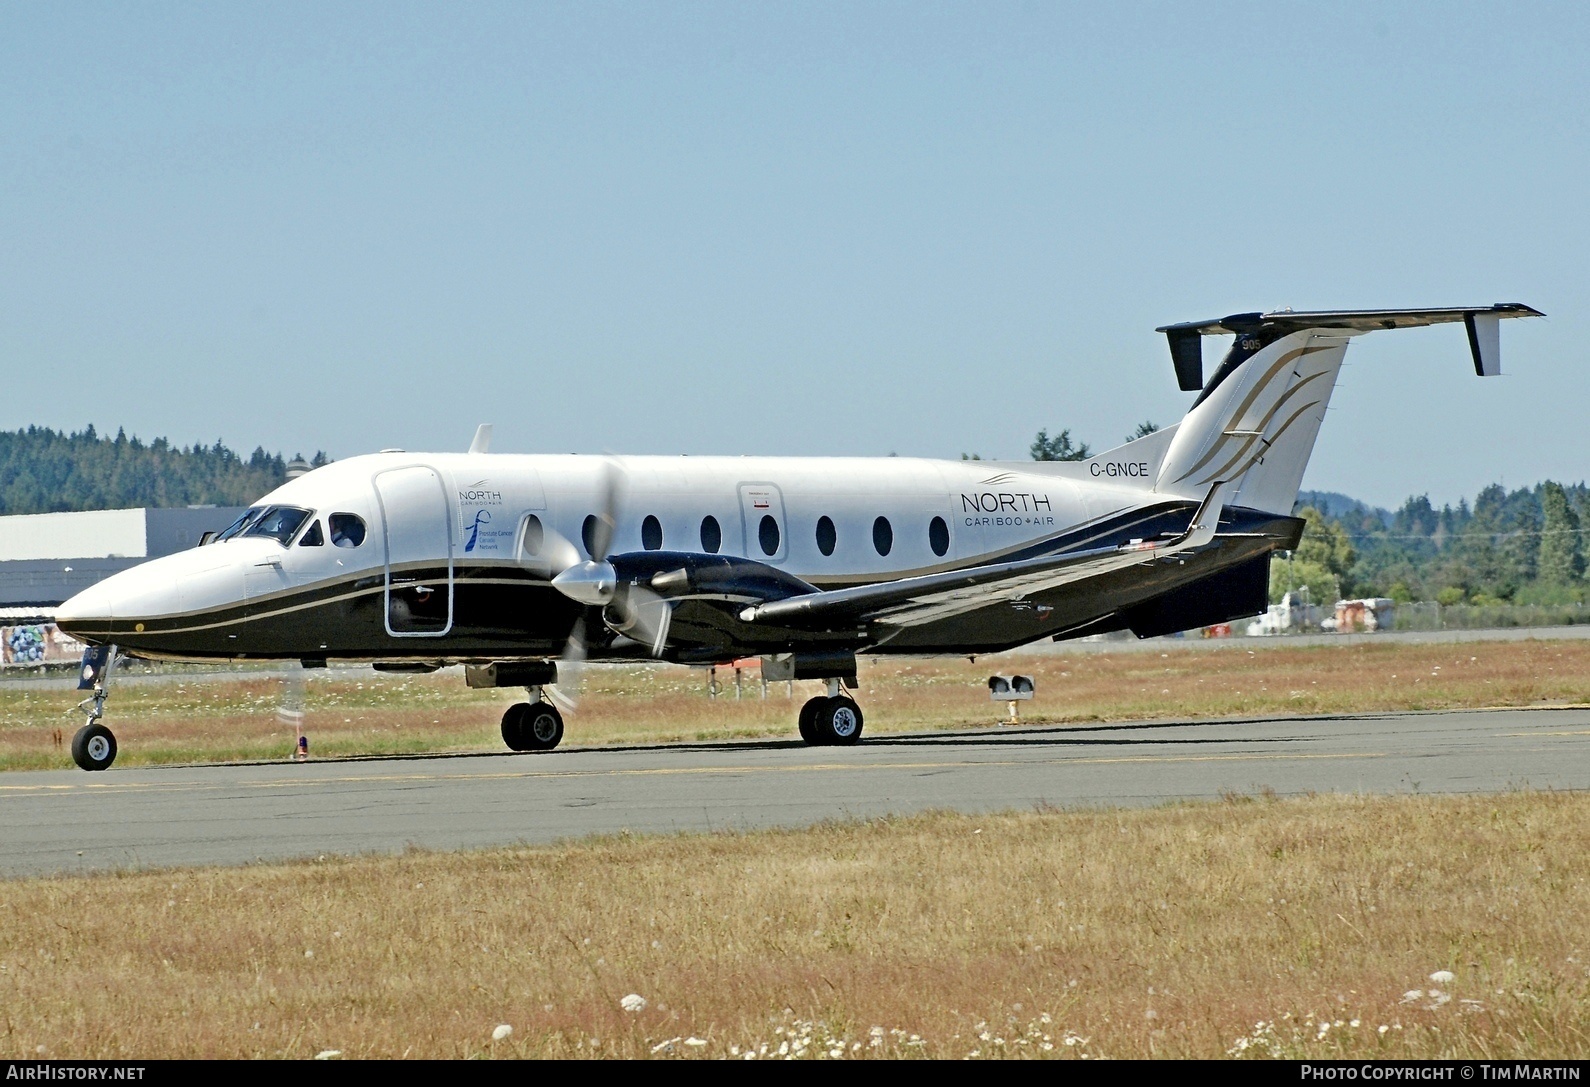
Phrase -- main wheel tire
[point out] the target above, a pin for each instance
(94, 747)
(839, 721)
(513, 727)
(543, 727)
(808, 720)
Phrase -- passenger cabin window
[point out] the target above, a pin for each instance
(939, 536)
(651, 533)
(280, 523)
(535, 536)
(882, 535)
(711, 534)
(313, 536)
(347, 529)
(827, 538)
(767, 535)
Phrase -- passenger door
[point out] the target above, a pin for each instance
(418, 543)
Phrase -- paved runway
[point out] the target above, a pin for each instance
(69, 821)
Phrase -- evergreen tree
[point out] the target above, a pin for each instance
(1561, 553)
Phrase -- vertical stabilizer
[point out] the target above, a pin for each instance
(1256, 429)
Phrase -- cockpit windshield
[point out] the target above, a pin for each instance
(249, 517)
(280, 523)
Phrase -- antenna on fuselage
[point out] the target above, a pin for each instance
(482, 442)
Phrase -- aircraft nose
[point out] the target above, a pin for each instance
(120, 600)
(92, 605)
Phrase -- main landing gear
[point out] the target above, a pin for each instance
(831, 719)
(532, 726)
(94, 746)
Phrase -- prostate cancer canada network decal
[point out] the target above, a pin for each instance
(481, 519)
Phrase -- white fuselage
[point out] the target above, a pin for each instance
(481, 502)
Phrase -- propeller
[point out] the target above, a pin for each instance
(290, 710)
(570, 686)
(642, 615)
(629, 609)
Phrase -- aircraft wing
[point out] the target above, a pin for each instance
(918, 600)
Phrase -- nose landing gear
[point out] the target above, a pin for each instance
(94, 746)
(832, 719)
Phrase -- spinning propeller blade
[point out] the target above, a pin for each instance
(641, 614)
(598, 534)
(290, 710)
(571, 670)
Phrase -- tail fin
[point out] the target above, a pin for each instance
(1255, 423)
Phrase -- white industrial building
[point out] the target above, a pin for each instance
(47, 557)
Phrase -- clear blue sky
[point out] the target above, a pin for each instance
(798, 229)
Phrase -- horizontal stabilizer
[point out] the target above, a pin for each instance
(1482, 322)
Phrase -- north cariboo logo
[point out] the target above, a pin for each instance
(478, 494)
(482, 517)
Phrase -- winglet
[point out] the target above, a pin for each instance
(482, 442)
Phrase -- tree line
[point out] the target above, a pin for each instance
(49, 471)
(1525, 546)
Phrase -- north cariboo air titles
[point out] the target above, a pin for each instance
(1009, 507)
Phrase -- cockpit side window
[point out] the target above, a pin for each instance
(347, 529)
(280, 523)
(236, 527)
(313, 536)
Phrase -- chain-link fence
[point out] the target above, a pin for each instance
(1429, 615)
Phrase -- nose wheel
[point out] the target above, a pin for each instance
(94, 747)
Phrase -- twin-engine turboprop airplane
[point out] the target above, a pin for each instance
(517, 565)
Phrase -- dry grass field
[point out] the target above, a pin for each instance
(1254, 927)
(195, 716)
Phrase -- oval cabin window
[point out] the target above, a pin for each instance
(588, 534)
(767, 535)
(938, 536)
(826, 536)
(651, 533)
(535, 536)
(711, 535)
(883, 535)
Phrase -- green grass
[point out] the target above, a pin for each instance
(196, 715)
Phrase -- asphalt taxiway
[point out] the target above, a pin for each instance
(70, 821)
